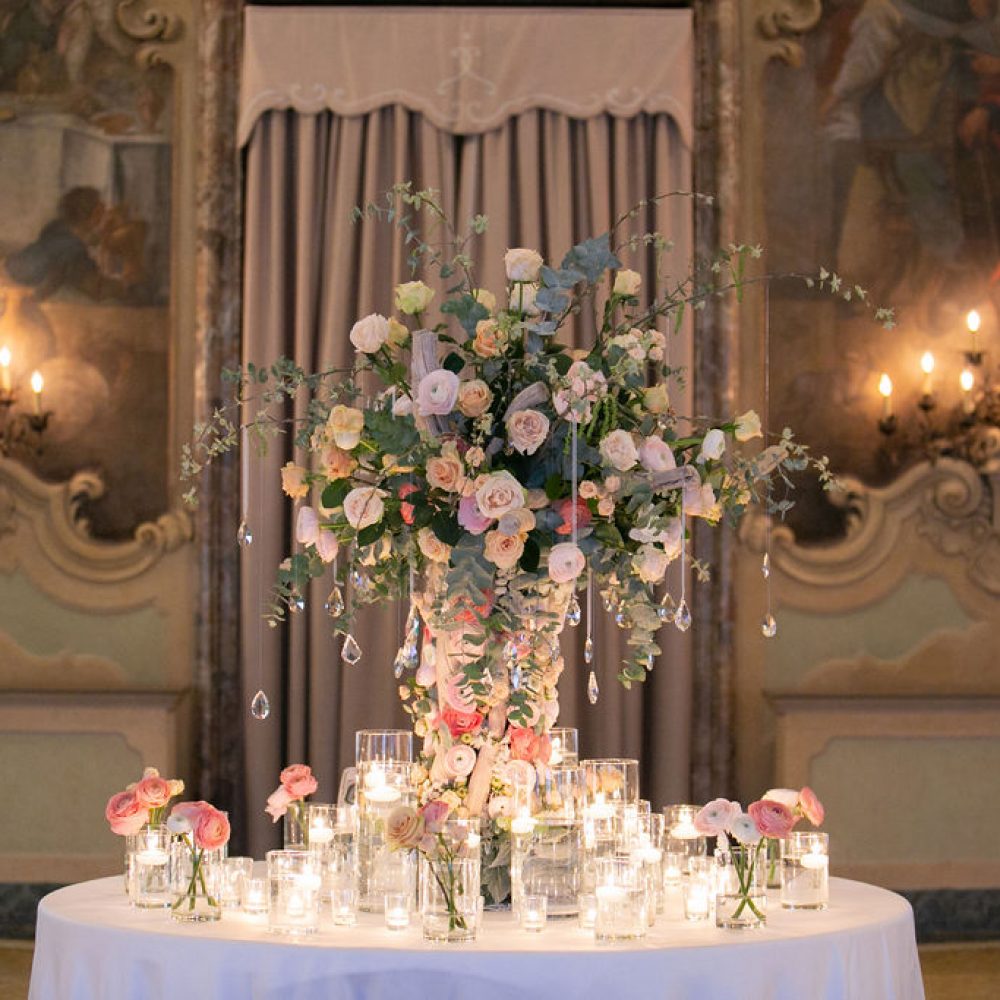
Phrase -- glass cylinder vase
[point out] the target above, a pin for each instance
(741, 890)
(622, 900)
(293, 892)
(449, 898)
(805, 871)
(195, 878)
(295, 826)
(149, 868)
(382, 786)
(680, 836)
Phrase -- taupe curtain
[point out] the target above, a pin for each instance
(545, 180)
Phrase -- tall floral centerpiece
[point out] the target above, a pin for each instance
(475, 463)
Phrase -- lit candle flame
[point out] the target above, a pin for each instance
(966, 380)
(4, 356)
(926, 363)
(37, 383)
(885, 385)
(973, 321)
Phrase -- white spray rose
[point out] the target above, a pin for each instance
(522, 264)
(748, 426)
(618, 450)
(370, 333)
(713, 446)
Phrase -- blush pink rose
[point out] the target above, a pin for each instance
(459, 723)
(211, 830)
(772, 818)
(278, 802)
(811, 807)
(298, 780)
(435, 815)
(404, 828)
(715, 818)
(564, 508)
(153, 792)
(126, 814)
(566, 562)
(470, 517)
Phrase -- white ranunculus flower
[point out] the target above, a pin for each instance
(370, 333)
(522, 264)
(178, 824)
(745, 830)
(413, 297)
(655, 455)
(437, 393)
(788, 797)
(650, 563)
(566, 562)
(618, 450)
(499, 493)
(748, 426)
(363, 506)
(713, 446)
(627, 282)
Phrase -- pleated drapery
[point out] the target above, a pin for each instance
(545, 181)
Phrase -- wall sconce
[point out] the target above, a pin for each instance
(20, 430)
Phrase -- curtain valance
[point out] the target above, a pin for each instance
(467, 70)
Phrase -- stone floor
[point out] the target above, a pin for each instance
(951, 971)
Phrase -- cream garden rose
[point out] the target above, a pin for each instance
(503, 550)
(748, 426)
(627, 282)
(446, 471)
(293, 481)
(369, 334)
(485, 298)
(346, 423)
(566, 562)
(618, 450)
(522, 299)
(474, 397)
(364, 506)
(413, 297)
(655, 455)
(432, 546)
(522, 264)
(657, 398)
(527, 430)
(499, 493)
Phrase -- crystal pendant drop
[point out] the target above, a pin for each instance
(351, 651)
(413, 624)
(667, 609)
(768, 626)
(765, 565)
(682, 616)
(609, 601)
(588, 650)
(334, 604)
(510, 650)
(260, 707)
(593, 691)
(621, 616)
(515, 677)
(296, 602)
(650, 661)
(399, 665)
(573, 613)
(244, 534)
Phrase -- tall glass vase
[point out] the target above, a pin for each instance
(449, 898)
(741, 896)
(196, 883)
(295, 826)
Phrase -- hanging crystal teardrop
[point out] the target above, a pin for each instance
(621, 616)
(515, 677)
(296, 602)
(510, 650)
(413, 624)
(593, 691)
(351, 651)
(588, 650)
(768, 626)
(609, 601)
(260, 707)
(399, 664)
(765, 565)
(334, 604)
(574, 614)
(682, 616)
(244, 535)
(667, 608)
(650, 661)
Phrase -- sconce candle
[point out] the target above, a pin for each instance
(927, 367)
(5, 368)
(885, 389)
(967, 380)
(973, 321)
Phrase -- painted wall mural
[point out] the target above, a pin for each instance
(85, 234)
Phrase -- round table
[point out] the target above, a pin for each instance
(91, 946)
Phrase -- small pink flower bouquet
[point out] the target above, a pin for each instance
(143, 802)
(297, 782)
(202, 828)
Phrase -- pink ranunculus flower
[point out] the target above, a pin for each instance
(457, 696)
(126, 814)
(298, 780)
(566, 562)
(772, 818)
(190, 810)
(714, 819)
(435, 815)
(460, 760)
(211, 831)
(811, 807)
(278, 802)
(153, 792)
(404, 828)
(470, 518)
(437, 393)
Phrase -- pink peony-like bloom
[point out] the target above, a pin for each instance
(566, 562)
(772, 818)
(153, 792)
(811, 807)
(407, 510)
(435, 815)
(126, 814)
(437, 393)
(459, 723)
(460, 760)
(714, 819)
(404, 828)
(456, 695)
(298, 780)
(278, 802)
(526, 744)
(211, 830)
(470, 517)
(564, 508)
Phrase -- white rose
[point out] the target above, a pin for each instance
(657, 399)
(499, 493)
(566, 562)
(402, 406)
(437, 393)
(363, 506)
(713, 446)
(474, 397)
(370, 333)
(748, 426)
(527, 430)
(432, 547)
(627, 282)
(503, 550)
(656, 456)
(618, 449)
(485, 298)
(650, 563)
(522, 299)
(413, 297)
(522, 264)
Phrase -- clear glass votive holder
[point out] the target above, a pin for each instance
(233, 873)
(612, 781)
(255, 892)
(565, 743)
(699, 889)
(648, 861)
(149, 869)
(680, 835)
(293, 893)
(805, 871)
(621, 901)
(383, 746)
(480, 912)
(343, 905)
(586, 910)
(675, 864)
(397, 911)
(534, 913)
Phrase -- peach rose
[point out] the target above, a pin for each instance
(527, 430)
(293, 481)
(432, 547)
(299, 781)
(337, 463)
(126, 814)
(211, 830)
(346, 423)
(153, 792)
(618, 449)
(526, 744)
(446, 471)
(404, 828)
(503, 550)
(474, 397)
(588, 490)
(364, 506)
(499, 493)
(566, 562)
(406, 510)
(369, 334)
(657, 399)
(516, 522)
(490, 341)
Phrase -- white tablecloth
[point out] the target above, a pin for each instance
(91, 946)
